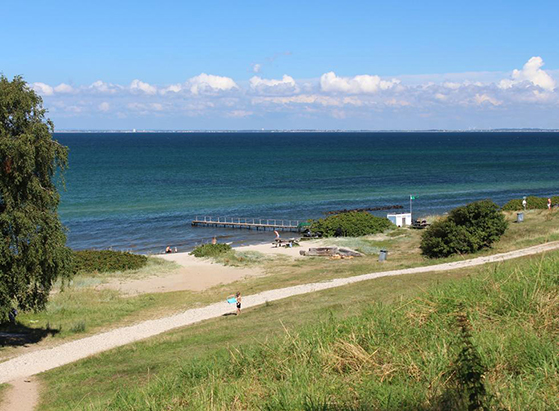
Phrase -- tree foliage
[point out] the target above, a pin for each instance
(351, 224)
(467, 229)
(32, 243)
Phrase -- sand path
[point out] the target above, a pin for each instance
(27, 365)
(23, 395)
(199, 274)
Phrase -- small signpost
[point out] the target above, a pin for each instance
(411, 199)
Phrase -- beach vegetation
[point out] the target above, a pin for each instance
(467, 229)
(33, 252)
(210, 250)
(480, 339)
(351, 224)
(106, 261)
(532, 203)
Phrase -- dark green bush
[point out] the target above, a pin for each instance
(532, 203)
(467, 229)
(351, 224)
(210, 250)
(103, 261)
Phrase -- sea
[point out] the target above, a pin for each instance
(140, 191)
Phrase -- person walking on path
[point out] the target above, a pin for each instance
(238, 296)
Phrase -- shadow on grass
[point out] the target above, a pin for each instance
(15, 335)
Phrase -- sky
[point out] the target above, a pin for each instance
(353, 65)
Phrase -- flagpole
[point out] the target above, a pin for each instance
(411, 214)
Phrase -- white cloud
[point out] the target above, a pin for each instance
(173, 88)
(286, 84)
(239, 113)
(64, 88)
(207, 83)
(138, 85)
(256, 67)
(531, 72)
(43, 89)
(102, 87)
(363, 84)
(301, 99)
(104, 106)
(484, 98)
(360, 97)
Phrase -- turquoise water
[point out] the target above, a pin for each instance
(139, 191)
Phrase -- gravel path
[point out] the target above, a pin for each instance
(35, 362)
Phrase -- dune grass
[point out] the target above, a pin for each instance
(389, 343)
(82, 310)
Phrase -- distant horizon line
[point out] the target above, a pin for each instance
(496, 130)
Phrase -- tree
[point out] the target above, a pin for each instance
(467, 229)
(32, 243)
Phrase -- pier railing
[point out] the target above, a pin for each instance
(239, 222)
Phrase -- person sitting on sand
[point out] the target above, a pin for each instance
(168, 250)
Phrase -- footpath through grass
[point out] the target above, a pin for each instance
(389, 343)
(82, 310)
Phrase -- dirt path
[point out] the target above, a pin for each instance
(23, 395)
(27, 365)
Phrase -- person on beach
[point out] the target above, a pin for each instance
(238, 296)
(524, 203)
(214, 240)
(168, 250)
(276, 232)
(549, 203)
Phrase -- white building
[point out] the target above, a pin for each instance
(400, 220)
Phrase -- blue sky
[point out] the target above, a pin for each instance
(311, 64)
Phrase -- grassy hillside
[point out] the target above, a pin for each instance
(391, 343)
(82, 310)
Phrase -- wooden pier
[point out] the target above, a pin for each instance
(248, 223)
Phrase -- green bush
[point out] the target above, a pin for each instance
(210, 250)
(104, 261)
(532, 203)
(351, 224)
(467, 229)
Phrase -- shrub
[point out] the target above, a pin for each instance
(104, 261)
(467, 229)
(210, 250)
(532, 203)
(351, 224)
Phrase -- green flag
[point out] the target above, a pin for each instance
(412, 197)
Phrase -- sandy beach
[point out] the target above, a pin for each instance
(199, 274)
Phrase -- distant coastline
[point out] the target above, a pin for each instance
(493, 130)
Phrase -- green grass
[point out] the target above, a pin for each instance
(3, 389)
(81, 310)
(245, 258)
(389, 343)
